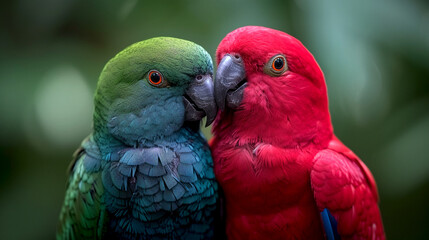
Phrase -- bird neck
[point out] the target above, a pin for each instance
(139, 123)
(290, 128)
(107, 143)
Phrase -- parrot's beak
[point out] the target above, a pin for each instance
(230, 82)
(199, 99)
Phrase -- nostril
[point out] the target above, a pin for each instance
(236, 57)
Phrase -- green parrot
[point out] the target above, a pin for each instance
(146, 172)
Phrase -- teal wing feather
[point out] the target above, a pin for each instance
(83, 213)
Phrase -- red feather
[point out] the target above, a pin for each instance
(276, 157)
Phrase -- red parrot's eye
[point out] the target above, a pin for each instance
(276, 66)
(155, 78)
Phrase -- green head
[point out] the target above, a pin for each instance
(151, 88)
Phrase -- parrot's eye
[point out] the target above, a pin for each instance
(276, 66)
(155, 78)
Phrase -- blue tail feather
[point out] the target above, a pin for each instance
(330, 225)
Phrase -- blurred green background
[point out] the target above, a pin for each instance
(375, 56)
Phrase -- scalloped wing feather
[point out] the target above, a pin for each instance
(83, 212)
(343, 184)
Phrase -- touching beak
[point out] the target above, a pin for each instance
(199, 99)
(230, 82)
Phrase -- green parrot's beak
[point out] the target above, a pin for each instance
(199, 99)
(230, 82)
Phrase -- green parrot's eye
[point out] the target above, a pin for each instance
(276, 66)
(156, 79)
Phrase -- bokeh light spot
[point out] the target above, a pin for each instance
(64, 106)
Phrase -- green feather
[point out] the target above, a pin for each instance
(83, 212)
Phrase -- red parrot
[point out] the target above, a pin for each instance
(284, 173)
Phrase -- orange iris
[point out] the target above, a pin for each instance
(155, 77)
(278, 64)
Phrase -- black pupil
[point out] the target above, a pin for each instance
(155, 77)
(278, 63)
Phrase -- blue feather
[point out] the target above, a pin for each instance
(185, 170)
(170, 182)
(187, 158)
(330, 225)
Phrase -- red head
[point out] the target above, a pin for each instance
(270, 89)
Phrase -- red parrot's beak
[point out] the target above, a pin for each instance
(230, 82)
